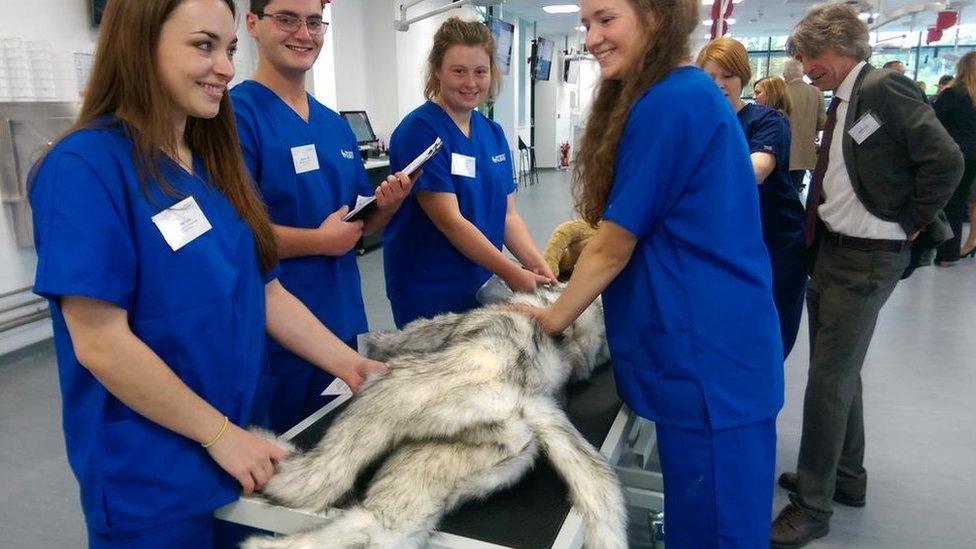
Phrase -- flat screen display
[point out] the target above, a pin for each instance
(359, 122)
(571, 70)
(97, 7)
(504, 33)
(543, 59)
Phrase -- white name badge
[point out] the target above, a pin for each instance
(337, 387)
(305, 158)
(864, 128)
(182, 223)
(462, 165)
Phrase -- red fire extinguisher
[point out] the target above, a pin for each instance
(564, 155)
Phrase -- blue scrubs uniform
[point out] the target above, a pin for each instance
(200, 308)
(691, 323)
(271, 133)
(783, 217)
(425, 274)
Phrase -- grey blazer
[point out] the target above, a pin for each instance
(906, 170)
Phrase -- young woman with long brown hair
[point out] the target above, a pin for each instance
(160, 267)
(680, 261)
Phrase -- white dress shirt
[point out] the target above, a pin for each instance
(842, 210)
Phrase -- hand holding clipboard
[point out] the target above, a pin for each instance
(366, 204)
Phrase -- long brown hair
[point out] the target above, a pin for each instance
(124, 83)
(667, 46)
(458, 32)
(966, 75)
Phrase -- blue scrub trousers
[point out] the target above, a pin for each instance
(203, 532)
(298, 387)
(718, 485)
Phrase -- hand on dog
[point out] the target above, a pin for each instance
(540, 315)
(248, 458)
(363, 370)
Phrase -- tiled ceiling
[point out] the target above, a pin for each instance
(753, 17)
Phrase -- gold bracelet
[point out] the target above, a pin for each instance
(220, 433)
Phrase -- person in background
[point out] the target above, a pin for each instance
(768, 134)
(807, 117)
(955, 107)
(446, 240)
(679, 259)
(159, 264)
(895, 65)
(306, 163)
(944, 82)
(885, 169)
(922, 86)
(771, 92)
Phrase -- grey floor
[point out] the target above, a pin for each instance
(920, 389)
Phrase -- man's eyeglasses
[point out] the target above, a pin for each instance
(289, 22)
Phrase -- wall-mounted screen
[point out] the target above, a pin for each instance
(571, 70)
(504, 33)
(542, 60)
(97, 7)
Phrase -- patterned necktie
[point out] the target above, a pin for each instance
(816, 186)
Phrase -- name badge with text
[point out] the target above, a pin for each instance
(182, 223)
(864, 128)
(462, 165)
(305, 158)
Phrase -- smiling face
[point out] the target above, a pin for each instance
(464, 77)
(615, 35)
(194, 56)
(288, 52)
(730, 84)
(827, 70)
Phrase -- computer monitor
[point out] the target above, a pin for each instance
(504, 33)
(542, 58)
(359, 121)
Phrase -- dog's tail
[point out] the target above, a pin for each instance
(593, 487)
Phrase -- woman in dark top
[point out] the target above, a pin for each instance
(767, 132)
(956, 109)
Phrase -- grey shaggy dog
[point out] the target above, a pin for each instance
(466, 407)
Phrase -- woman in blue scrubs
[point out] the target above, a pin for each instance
(446, 240)
(160, 268)
(306, 163)
(685, 277)
(767, 132)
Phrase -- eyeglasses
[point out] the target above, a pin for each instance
(289, 22)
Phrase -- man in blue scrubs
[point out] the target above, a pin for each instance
(306, 162)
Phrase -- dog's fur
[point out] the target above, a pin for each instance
(467, 405)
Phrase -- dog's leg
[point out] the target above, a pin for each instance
(425, 480)
(593, 487)
(374, 422)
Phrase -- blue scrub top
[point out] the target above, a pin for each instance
(691, 324)
(200, 308)
(425, 274)
(783, 217)
(269, 129)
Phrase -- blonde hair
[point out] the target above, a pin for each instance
(667, 44)
(458, 32)
(774, 89)
(966, 75)
(729, 54)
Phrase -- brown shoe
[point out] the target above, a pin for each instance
(787, 481)
(795, 527)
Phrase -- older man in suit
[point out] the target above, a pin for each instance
(807, 117)
(885, 169)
